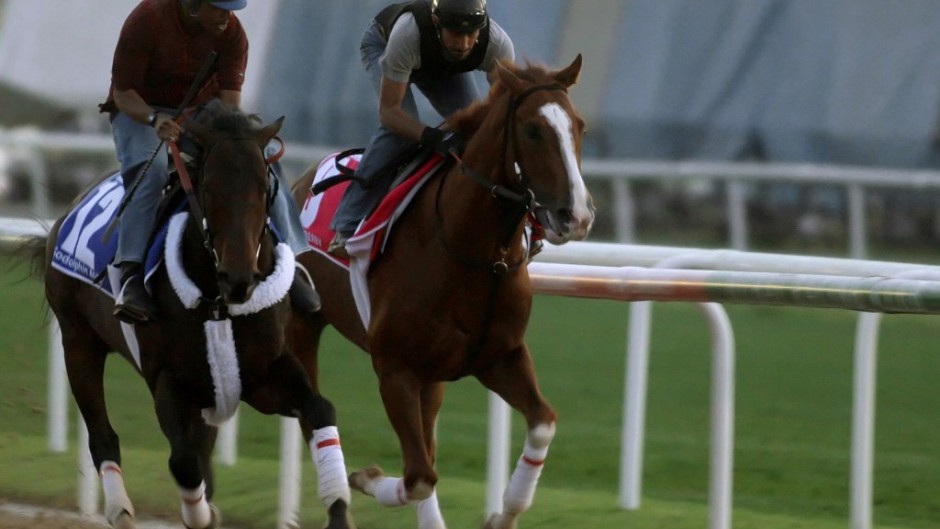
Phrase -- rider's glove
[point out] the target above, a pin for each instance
(441, 141)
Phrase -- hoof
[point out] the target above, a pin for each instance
(499, 521)
(215, 520)
(421, 491)
(339, 516)
(123, 520)
(359, 479)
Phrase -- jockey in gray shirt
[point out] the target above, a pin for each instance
(434, 45)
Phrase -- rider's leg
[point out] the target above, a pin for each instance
(135, 145)
(286, 220)
(384, 147)
(358, 201)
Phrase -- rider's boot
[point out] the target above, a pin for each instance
(303, 297)
(337, 246)
(133, 304)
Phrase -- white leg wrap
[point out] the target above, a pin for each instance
(328, 457)
(525, 477)
(390, 492)
(429, 513)
(195, 506)
(115, 495)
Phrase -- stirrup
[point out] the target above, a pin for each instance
(337, 246)
(134, 314)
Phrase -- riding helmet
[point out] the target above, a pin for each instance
(229, 5)
(464, 16)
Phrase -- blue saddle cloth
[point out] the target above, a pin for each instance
(81, 250)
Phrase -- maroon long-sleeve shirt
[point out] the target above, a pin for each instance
(159, 57)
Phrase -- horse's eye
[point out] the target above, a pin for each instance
(532, 132)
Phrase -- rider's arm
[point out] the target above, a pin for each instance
(392, 115)
(129, 102)
(401, 57)
(500, 49)
(231, 97)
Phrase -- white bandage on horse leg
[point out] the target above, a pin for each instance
(429, 513)
(390, 492)
(195, 506)
(525, 477)
(328, 457)
(115, 495)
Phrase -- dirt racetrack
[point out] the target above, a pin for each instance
(17, 516)
(10, 520)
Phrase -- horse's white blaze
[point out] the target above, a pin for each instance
(561, 122)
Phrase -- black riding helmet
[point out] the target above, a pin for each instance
(465, 16)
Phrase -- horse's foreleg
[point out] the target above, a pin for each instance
(390, 492)
(402, 396)
(514, 380)
(432, 397)
(188, 435)
(84, 362)
(521, 489)
(288, 392)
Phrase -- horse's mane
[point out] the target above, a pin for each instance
(466, 121)
(227, 119)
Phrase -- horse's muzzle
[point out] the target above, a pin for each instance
(236, 289)
(566, 224)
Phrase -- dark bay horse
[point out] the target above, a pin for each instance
(221, 335)
(451, 296)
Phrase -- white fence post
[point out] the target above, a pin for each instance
(58, 397)
(291, 474)
(861, 481)
(497, 452)
(87, 474)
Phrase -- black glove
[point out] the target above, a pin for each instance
(441, 141)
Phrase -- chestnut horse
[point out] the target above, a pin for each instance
(450, 295)
(221, 334)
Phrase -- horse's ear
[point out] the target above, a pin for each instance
(270, 131)
(569, 75)
(510, 79)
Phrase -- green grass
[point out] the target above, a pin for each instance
(792, 428)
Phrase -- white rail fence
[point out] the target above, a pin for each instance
(642, 274)
(32, 147)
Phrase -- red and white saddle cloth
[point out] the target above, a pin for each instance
(369, 240)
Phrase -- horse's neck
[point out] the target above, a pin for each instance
(469, 210)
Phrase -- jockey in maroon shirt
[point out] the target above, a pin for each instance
(162, 46)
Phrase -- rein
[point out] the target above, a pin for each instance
(194, 206)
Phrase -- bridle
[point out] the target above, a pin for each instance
(523, 201)
(195, 203)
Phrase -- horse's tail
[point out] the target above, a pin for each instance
(32, 251)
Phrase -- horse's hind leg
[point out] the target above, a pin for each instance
(191, 441)
(85, 356)
(513, 379)
(288, 392)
